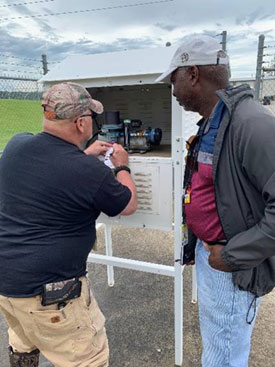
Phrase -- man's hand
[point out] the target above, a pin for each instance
(215, 259)
(119, 157)
(98, 148)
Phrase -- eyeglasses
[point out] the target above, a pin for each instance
(93, 115)
(90, 115)
(86, 115)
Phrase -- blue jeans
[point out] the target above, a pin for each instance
(223, 314)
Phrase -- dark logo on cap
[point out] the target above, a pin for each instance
(184, 57)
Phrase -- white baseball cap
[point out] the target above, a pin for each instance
(199, 50)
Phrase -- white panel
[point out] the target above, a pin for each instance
(107, 81)
(152, 175)
(184, 123)
(189, 123)
(153, 180)
(112, 65)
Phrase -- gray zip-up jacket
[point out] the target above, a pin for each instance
(244, 179)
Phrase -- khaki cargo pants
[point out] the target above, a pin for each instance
(74, 336)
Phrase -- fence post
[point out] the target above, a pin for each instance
(259, 66)
(45, 64)
(224, 39)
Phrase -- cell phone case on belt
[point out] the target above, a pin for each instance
(61, 291)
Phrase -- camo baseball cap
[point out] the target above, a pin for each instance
(67, 101)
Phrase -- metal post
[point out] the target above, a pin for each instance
(177, 156)
(178, 292)
(224, 40)
(194, 285)
(44, 64)
(259, 66)
(109, 252)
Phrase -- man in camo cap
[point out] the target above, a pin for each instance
(51, 193)
(69, 100)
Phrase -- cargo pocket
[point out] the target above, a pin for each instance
(54, 324)
(91, 343)
(95, 322)
(91, 315)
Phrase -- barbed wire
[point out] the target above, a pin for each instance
(26, 3)
(13, 77)
(22, 65)
(87, 10)
(26, 59)
(20, 58)
(21, 71)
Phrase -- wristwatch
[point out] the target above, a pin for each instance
(121, 168)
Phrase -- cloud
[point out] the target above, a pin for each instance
(22, 10)
(266, 16)
(254, 15)
(166, 27)
(85, 46)
(240, 36)
(40, 23)
(59, 50)
(269, 34)
(240, 20)
(134, 27)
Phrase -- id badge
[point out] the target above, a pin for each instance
(187, 196)
(182, 251)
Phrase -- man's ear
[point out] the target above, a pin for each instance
(194, 74)
(79, 124)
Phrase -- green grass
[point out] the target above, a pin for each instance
(18, 116)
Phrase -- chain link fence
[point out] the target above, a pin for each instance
(20, 107)
(267, 91)
(265, 74)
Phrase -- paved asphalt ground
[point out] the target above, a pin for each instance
(139, 309)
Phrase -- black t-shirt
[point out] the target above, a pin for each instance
(51, 194)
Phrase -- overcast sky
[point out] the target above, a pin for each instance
(126, 25)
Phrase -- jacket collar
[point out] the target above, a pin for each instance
(232, 96)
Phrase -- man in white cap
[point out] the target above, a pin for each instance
(51, 193)
(229, 198)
